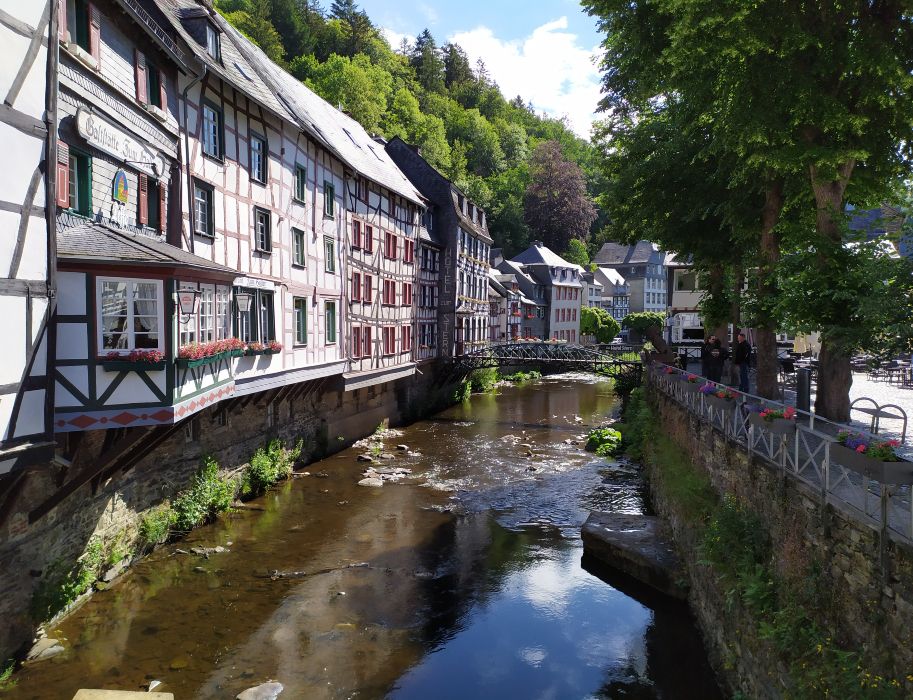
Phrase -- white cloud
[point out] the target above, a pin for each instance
(547, 68)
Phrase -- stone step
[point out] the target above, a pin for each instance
(635, 545)
(86, 694)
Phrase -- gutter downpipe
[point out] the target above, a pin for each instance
(184, 93)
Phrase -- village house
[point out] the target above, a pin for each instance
(462, 228)
(563, 288)
(642, 267)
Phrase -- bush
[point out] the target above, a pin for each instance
(604, 441)
(60, 588)
(483, 380)
(520, 377)
(6, 676)
(268, 466)
(208, 496)
(155, 526)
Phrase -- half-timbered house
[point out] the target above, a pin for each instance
(28, 84)
(125, 289)
(382, 224)
(463, 228)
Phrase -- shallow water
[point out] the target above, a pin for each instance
(463, 581)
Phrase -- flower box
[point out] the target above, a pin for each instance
(130, 366)
(188, 363)
(718, 403)
(237, 352)
(777, 426)
(690, 387)
(896, 472)
(251, 352)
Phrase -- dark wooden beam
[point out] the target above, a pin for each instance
(10, 489)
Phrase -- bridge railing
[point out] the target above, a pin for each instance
(802, 448)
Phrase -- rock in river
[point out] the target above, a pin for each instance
(635, 545)
(44, 649)
(264, 691)
(371, 481)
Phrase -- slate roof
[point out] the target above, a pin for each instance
(471, 225)
(187, 18)
(336, 130)
(641, 253)
(97, 242)
(612, 275)
(538, 254)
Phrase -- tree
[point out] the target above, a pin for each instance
(598, 323)
(255, 24)
(358, 26)
(648, 324)
(456, 65)
(425, 59)
(556, 206)
(358, 86)
(577, 254)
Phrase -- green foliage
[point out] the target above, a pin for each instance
(598, 323)
(60, 587)
(483, 381)
(577, 254)
(606, 442)
(207, 496)
(642, 320)
(155, 526)
(268, 466)
(7, 682)
(520, 377)
(463, 391)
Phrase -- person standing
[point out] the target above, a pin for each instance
(715, 362)
(705, 356)
(741, 358)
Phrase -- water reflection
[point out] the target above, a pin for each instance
(464, 582)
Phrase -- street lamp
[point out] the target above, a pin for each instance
(243, 300)
(188, 301)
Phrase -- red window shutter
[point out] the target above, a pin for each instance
(139, 61)
(366, 332)
(63, 175)
(163, 210)
(142, 211)
(62, 20)
(163, 94)
(94, 32)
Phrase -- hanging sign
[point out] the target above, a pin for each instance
(120, 190)
(110, 138)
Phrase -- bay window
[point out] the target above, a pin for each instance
(130, 314)
(257, 324)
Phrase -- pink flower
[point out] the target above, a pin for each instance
(894, 443)
(789, 412)
(860, 449)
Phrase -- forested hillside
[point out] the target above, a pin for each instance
(498, 151)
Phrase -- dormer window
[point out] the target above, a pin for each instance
(212, 42)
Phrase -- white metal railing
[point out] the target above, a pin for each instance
(800, 449)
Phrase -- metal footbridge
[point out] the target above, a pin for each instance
(614, 360)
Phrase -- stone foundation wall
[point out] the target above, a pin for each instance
(326, 418)
(871, 582)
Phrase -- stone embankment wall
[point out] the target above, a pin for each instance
(871, 583)
(327, 419)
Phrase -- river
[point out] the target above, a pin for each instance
(463, 581)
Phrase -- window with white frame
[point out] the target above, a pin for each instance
(329, 311)
(298, 248)
(203, 224)
(212, 42)
(258, 156)
(263, 230)
(301, 320)
(329, 199)
(130, 314)
(212, 320)
(329, 250)
(257, 324)
(212, 130)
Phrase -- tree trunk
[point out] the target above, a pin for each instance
(765, 330)
(735, 317)
(835, 377)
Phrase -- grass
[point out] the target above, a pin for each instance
(7, 682)
(520, 377)
(268, 466)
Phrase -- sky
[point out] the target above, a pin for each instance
(542, 50)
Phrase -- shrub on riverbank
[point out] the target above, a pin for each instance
(520, 377)
(785, 592)
(59, 587)
(268, 466)
(606, 442)
(208, 495)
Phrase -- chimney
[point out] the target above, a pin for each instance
(536, 244)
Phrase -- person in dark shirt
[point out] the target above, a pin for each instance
(740, 359)
(715, 362)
